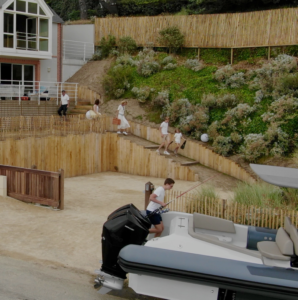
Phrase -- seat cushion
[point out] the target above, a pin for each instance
(288, 225)
(284, 242)
(271, 250)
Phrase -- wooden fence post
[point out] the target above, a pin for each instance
(232, 56)
(61, 189)
(223, 209)
(149, 187)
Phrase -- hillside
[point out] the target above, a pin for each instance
(196, 86)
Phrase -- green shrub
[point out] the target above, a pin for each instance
(223, 145)
(118, 80)
(106, 45)
(142, 94)
(171, 38)
(127, 45)
(207, 191)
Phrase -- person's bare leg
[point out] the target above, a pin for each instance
(161, 145)
(166, 145)
(158, 229)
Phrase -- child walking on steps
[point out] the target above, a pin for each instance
(178, 136)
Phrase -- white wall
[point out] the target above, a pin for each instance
(48, 68)
(79, 33)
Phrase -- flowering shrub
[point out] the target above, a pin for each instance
(142, 94)
(161, 99)
(236, 137)
(236, 80)
(270, 79)
(212, 131)
(119, 92)
(227, 100)
(146, 66)
(126, 60)
(170, 66)
(254, 147)
(278, 139)
(194, 64)
(259, 96)
(241, 111)
(180, 108)
(224, 73)
(168, 59)
(223, 145)
(281, 109)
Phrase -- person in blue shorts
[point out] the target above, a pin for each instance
(156, 200)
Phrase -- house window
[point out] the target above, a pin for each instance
(11, 6)
(43, 34)
(21, 6)
(8, 31)
(41, 12)
(32, 8)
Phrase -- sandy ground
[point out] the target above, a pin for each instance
(71, 238)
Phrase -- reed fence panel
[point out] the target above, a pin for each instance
(233, 211)
(34, 186)
(21, 127)
(82, 154)
(276, 27)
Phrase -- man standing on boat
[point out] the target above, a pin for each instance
(156, 200)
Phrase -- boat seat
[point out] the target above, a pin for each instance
(215, 241)
(212, 223)
(294, 238)
(281, 249)
(288, 225)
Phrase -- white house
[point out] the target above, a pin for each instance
(31, 43)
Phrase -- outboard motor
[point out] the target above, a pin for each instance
(124, 226)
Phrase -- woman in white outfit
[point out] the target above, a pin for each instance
(94, 113)
(178, 136)
(120, 115)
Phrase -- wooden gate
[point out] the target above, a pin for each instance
(35, 186)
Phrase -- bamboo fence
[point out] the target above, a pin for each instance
(89, 153)
(238, 213)
(252, 29)
(85, 94)
(21, 127)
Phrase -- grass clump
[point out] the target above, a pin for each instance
(260, 195)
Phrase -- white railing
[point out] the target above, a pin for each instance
(37, 90)
(77, 50)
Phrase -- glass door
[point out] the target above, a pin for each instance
(31, 33)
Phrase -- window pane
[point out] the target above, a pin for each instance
(8, 23)
(43, 44)
(5, 73)
(21, 6)
(17, 73)
(43, 27)
(8, 41)
(11, 6)
(32, 8)
(41, 12)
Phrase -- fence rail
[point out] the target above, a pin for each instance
(252, 29)
(35, 186)
(37, 90)
(77, 50)
(238, 213)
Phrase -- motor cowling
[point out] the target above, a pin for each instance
(124, 226)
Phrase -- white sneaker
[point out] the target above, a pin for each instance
(125, 133)
(166, 152)
(119, 132)
(157, 151)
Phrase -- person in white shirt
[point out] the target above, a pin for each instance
(120, 115)
(156, 200)
(178, 136)
(94, 113)
(64, 104)
(164, 136)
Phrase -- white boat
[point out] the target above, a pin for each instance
(199, 257)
